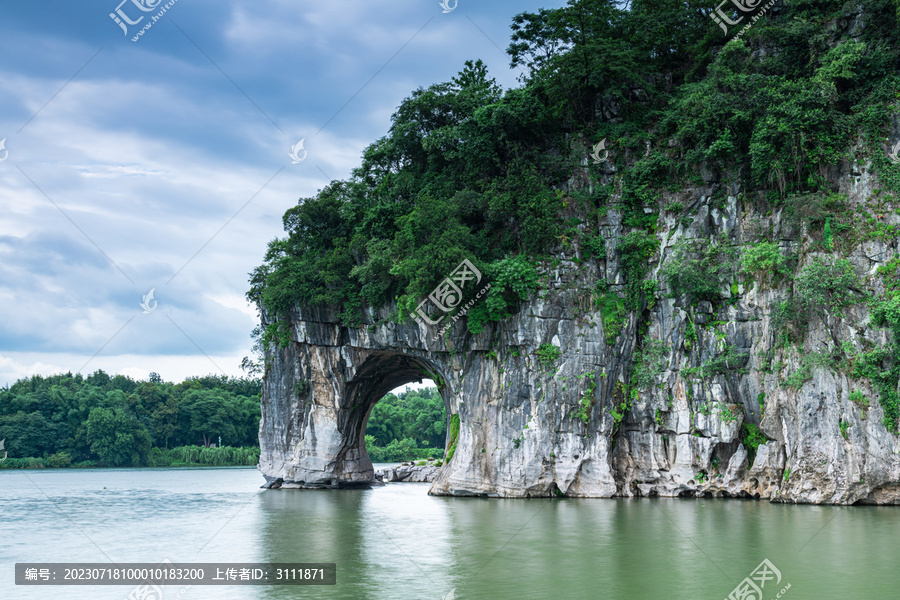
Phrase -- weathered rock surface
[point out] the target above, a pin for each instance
(412, 473)
(533, 428)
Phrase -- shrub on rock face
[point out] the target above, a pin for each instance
(824, 286)
(635, 249)
(547, 354)
(887, 314)
(763, 260)
(649, 362)
(699, 268)
(752, 438)
(512, 280)
(827, 285)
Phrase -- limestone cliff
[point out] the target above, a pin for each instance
(535, 421)
(714, 220)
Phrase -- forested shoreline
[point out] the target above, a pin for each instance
(408, 426)
(100, 420)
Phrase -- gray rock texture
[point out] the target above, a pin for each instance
(412, 473)
(533, 425)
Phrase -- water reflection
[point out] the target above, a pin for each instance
(398, 543)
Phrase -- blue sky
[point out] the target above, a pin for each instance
(164, 163)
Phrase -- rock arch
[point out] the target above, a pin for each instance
(517, 437)
(317, 398)
(379, 373)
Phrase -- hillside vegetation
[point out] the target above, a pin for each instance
(505, 178)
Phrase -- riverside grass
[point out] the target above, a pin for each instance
(182, 456)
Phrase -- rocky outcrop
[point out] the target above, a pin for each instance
(547, 403)
(411, 473)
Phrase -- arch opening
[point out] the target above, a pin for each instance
(381, 374)
(407, 424)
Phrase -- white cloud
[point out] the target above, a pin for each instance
(175, 368)
(151, 150)
(236, 302)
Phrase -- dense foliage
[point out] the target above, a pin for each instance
(408, 426)
(117, 421)
(180, 456)
(462, 174)
(699, 268)
(470, 171)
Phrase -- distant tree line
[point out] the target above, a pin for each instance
(408, 426)
(103, 420)
(116, 421)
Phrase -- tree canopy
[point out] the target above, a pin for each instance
(470, 171)
(116, 420)
(407, 426)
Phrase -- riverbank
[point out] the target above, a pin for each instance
(188, 456)
(182, 456)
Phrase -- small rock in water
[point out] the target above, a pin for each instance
(406, 472)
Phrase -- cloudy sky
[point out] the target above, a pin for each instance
(163, 163)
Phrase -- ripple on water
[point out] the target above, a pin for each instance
(396, 542)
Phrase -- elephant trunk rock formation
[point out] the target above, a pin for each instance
(686, 399)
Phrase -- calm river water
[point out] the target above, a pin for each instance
(398, 543)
